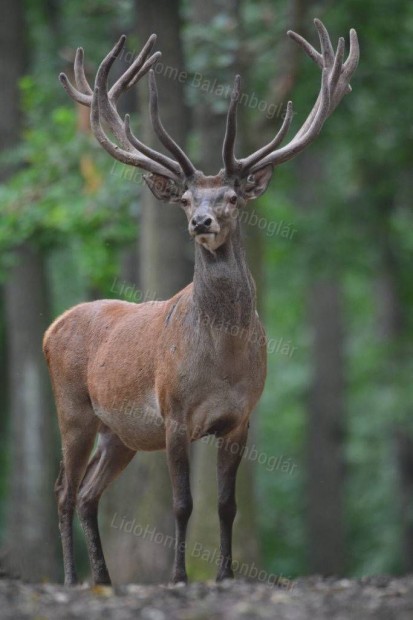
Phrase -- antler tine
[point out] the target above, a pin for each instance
(106, 108)
(248, 162)
(342, 72)
(73, 93)
(228, 156)
(168, 142)
(307, 47)
(80, 77)
(145, 68)
(151, 153)
(352, 61)
(327, 50)
(107, 62)
(337, 64)
(132, 74)
(126, 157)
(83, 93)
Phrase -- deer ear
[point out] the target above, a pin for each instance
(164, 189)
(255, 184)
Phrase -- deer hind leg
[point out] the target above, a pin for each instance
(78, 427)
(229, 457)
(110, 459)
(178, 464)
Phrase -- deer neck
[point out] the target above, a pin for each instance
(224, 290)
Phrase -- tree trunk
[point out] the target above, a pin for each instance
(31, 535)
(4, 409)
(31, 519)
(404, 455)
(391, 328)
(12, 64)
(325, 430)
(165, 249)
(165, 256)
(326, 409)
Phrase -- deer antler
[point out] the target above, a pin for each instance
(335, 78)
(102, 103)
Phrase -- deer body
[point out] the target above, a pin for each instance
(162, 374)
(203, 363)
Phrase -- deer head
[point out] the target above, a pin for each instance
(211, 203)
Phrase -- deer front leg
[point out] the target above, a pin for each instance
(229, 457)
(177, 450)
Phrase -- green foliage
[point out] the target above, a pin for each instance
(52, 202)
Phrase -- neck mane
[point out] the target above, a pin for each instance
(224, 290)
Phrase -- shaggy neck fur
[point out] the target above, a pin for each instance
(224, 290)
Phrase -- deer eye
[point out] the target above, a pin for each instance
(184, 202)
(233, 199)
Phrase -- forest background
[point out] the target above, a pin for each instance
(326, 483)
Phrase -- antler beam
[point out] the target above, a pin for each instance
(335, 78)
(102, 103)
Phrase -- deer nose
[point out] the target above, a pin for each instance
(201, 223)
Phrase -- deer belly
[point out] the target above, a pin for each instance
(138, 424)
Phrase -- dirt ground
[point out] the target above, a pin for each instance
(312, 598)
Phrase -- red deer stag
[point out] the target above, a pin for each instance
(181, 371)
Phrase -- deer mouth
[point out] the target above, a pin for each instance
(207, 234)
(204, 232)
(210, 241)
